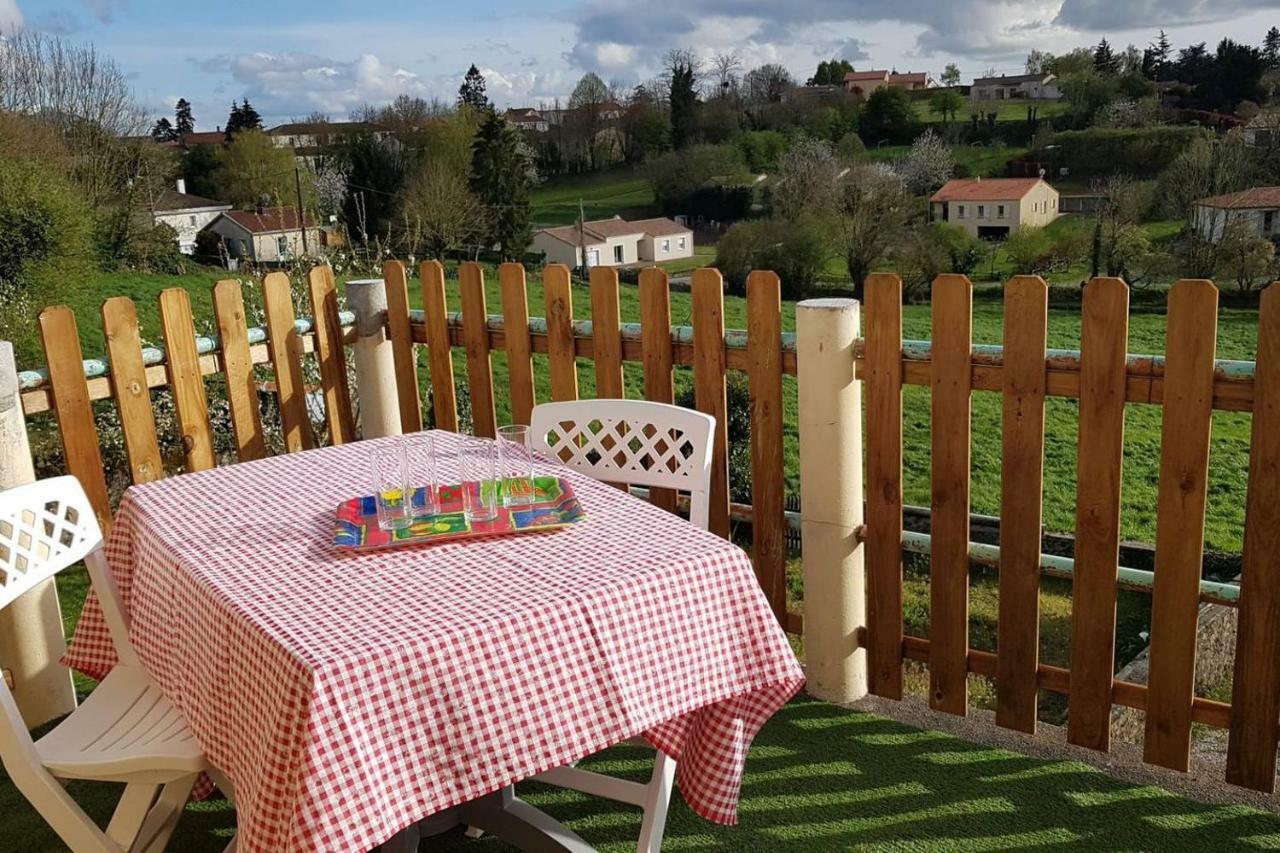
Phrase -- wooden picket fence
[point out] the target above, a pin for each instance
(1188, 384)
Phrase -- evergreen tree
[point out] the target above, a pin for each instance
(243, 117)
(683, 98)
(502, 174)
(830, 72)
(233, 119)
(471, 92)
(162, 131)
(183, 123)
(1271, 47)
(1104, 58)
(1160, 52)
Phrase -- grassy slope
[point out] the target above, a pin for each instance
(1005, 110)
(625, 192)
(820, 778)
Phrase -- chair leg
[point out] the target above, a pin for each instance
(164, 816)
(130, 813)
(656, 800)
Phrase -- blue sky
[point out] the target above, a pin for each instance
(290, 57)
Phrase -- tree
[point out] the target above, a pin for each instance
(796, 249)
(873, 211)
(586, 119)
(808, 181)
(951, 75)
(928, 166)
(947, 103)
(471, 93)
(162, 131)
(1039, 61)
(252, 168)
(766, 84)
(448, 136)
(439, 211)
(1204, 168)
(502, 174)
(1160, 52)
(677, 175)
(242, 117)
(375, 171)
(888, 115)
(1104, 59)
(682, 68)
(726, 67)
(183, 123)
(1271, 47)
(643, 129)
(830, 73)
(1246, 258)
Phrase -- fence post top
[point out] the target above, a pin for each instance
(367, 299)
(828, 303)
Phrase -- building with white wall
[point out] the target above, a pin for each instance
(615, 242)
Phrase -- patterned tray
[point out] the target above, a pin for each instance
(553, 506)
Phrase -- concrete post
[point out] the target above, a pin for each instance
(374, 359)
(31, 639)
(831, 498)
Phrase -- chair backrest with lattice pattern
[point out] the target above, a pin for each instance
(634, 442)
(44, 528)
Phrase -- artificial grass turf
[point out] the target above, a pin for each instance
(821, 778)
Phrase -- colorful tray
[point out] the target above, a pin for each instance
(554, 505)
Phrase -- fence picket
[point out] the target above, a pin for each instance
(606, 333)
(331, 356)
(182, 364)
(883, 383)
(397, 281)
(1026, 317)
(949, 558)
(1104, 339)
(560, 350)
(1184, 481)
(709, 388)
(655, 344)
(1255, 696)
(515, 312)
(475, 335)
(237, 366)
(764, 377)
(129, 388)
(444, 397)
(286, 360)
(71, 405)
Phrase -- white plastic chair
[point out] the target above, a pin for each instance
(636, 443)
(126, 731)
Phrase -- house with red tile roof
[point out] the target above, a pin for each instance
(1258, 208)
(615, 242)
(266, 235)
(994, 208)
(866, 82)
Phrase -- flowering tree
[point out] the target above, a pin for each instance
(929, 165)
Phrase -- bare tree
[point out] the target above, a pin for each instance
(439, 211)
(874, 210)
(808, 180)
(766, 84)
(726, 68)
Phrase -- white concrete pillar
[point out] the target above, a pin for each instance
(831, 498)
(373, 359)
(31, 639)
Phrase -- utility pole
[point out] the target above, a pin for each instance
(302, 219)
(582, 236)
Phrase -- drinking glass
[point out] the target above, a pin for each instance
(391, 486)
(481, 489)
(420, 452)
(517, 464)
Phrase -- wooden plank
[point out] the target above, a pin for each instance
(709, 385)
(475, 333)
(1184, 482)
(129, 381)
(237, 364)
(656, 354)
(397, 281)
(515, 312)
(1255, 696)
(560, 349)
(883, 319)
(949, 558)
(286, 361)
(768, 515)
(444, 398)
(1026, 318)
(71, 405)
(606, 333)
(182, 364)
(1104, 339)
(331, 356)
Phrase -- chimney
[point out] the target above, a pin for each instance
(182, 186)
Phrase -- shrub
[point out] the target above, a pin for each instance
(888, 116)
(1100, 151)
(45, 228)
(796, 250)
(738, 427)
(678, 174)
(761, 149)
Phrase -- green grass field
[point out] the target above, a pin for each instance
(624, 192)
(987, 161)
(1005, 110)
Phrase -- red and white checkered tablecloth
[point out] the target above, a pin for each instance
(347, 695)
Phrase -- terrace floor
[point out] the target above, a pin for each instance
(822, 778)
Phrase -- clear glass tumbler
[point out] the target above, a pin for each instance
(391, 485)
(517, 465)
(481, 488)
(420, 450)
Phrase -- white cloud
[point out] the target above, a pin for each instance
(10, 16)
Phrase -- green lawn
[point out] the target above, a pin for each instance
(1005, 110)
(821, 778)
(987, 161)
(623, 192)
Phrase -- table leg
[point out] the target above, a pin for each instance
(516, 822)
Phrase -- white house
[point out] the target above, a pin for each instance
(185, 214)
(994, 208)
(268, 235)
(615, 242)
(1258, 208)
(1036, 87)
(1263, 130)
(527, 118)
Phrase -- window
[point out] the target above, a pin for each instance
(982, 210)
(192, 219)
(666, 245)
(282, 245)
(617, 254)
(682, 243)
(959, 211)
(1268, 220)
(999, 211)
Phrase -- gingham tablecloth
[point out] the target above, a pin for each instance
(348, 695)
